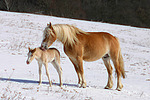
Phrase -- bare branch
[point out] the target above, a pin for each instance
(7, 4)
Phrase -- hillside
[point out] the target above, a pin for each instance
(126, 12)
(19, 81)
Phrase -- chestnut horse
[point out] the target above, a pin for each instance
(87, 46)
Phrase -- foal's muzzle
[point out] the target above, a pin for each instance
(27, 62)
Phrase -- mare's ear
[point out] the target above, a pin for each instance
(50, 25)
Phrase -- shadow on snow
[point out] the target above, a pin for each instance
(33, 81)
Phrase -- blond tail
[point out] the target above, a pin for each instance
(121, 64)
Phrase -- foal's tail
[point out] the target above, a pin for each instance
(121, 64)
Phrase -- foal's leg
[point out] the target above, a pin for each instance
(81, 71)
(106, 60)
(77, 71)
(59, 70)
(47, 73)
(40, 72)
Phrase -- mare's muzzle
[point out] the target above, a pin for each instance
(43, 47)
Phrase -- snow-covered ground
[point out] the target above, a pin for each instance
(19, 81)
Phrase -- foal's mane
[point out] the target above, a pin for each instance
(67, 34)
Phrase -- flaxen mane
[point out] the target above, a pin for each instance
(65, 33)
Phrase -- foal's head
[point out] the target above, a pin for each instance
(49, 36)
(31, 55)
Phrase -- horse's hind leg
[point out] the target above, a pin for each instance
(106, 60)
(116, 64)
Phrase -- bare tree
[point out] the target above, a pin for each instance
(9, 4)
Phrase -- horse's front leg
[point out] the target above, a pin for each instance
(40, 72)
(81, 71)
(76, 56)
(77, 70)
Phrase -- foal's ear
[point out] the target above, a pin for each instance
(29, 48)
(47, 24)
(34, 50)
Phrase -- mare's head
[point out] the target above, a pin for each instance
(49, 36)
(31, 55)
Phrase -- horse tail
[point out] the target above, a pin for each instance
(120, 60)
(121, 64)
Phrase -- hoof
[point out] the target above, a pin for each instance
(118, 89)
(108, 87)
(83, 85)
(79, 85)
(50, 84)
(60, 84)
(40, 83)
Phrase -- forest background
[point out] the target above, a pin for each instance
(125, 12)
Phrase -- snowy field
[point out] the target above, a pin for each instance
(19, 81)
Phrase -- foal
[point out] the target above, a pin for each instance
(51, 55)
